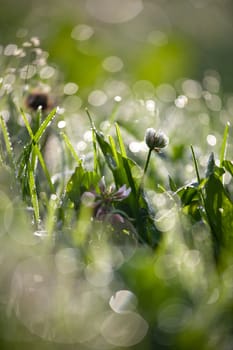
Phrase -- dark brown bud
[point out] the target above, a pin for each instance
(38, 99)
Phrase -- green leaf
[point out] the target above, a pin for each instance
(224, 144)
(219, 209)
(44, 168)
(228, 165)
(172, 184)
(210, 165)
(120, 141)
(7, 141)
(114, 150)
(71, 148)
(26, 122)
(188, 193)
(146, 227)
(44, 125)
(81, 181)
(195, 164)
(33, 193)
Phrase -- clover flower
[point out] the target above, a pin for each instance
(103, 201)
(156, 140)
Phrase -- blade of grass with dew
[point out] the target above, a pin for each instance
(113, 146)
(8, 143)
(224, 144)
(44, 168)
(223, 150)
(44, 125)
(120, 141)
(38, 118)
(70, 148)
(112, 116)
(26, 122)
(34, 198)
(23, 159)
(94, 141)
(95, 151)
(195, 165)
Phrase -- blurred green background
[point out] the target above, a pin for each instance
(156, 40)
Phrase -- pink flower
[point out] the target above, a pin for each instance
(103, 201)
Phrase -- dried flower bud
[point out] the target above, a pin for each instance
(38, 99)
(156, 139)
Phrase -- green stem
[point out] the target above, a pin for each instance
(147, 162)
(140, 189)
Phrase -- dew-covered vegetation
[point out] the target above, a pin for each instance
(116, 179)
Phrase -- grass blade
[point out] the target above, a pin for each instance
(70, 148)
(26, 122)
(114, 150)
(224, 144)
(34, 198)
(44, 168)
(44, 125)
(94, 140)
(7, 141)
(120, 141)
(196, 166)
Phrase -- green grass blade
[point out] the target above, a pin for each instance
(120, 141)
(94, 140)
(24, 159)
(228, 165)
(90, 119)
(70, 148)
(26, 122)
(224, 144)
(7, 141)
(34, 198)
(95, 151)
(44, 168)
(44, 125)
(51, 213)
(114, 150)
(196, 166)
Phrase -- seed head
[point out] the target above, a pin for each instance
(156, 140)
(38, 99)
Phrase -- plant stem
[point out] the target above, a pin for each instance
(147, 163)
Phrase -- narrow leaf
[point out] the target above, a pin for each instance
(7, 141)
(114, 150)
(26, 122)
(228, 165)
(120, 141)
(44, 125)
(172, 184)
(44, 168)
(224, 144)
(70, 148)
(219, 209)
(196, 166)
(34, 198)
